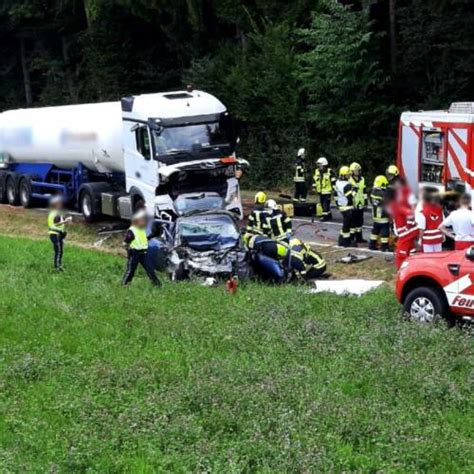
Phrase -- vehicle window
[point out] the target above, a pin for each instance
(143, 142)
(222, 227)
(202, 202)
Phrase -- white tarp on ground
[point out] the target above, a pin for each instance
(346, 287)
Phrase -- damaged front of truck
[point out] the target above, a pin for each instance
(190, 140)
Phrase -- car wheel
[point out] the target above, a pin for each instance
(425, 305)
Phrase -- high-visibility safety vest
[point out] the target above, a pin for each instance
(55, 229)
(299, 172)
(277, 225)
(140, 242)
(379, 214)
(433, 218)
(359, 192)
(344, 195)
(324, 181)
(256, 221)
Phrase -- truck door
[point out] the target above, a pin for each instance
(409, 149)
(460, 291)
(141, 169)
(457, 154)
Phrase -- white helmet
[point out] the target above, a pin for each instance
(301, 152)
(322, 161)
(271, 204)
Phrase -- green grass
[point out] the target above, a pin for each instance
(94, 377)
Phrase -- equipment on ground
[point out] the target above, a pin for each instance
(114, 158)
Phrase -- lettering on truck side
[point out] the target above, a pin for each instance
(455, 296)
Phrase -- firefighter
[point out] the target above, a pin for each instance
(277, 224)
(266, 246)
(136, 242)
(345, 204)
(256, 220)
(304, 261)
(404, 224)
(392, 173)
(299, 178)
(360, 200)
(324, 182)
(57, 223)
(380, 217)
(428, 219)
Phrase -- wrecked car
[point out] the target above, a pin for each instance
(203, 244)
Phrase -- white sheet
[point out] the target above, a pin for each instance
(346, 287)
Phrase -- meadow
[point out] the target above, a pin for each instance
(99, 378)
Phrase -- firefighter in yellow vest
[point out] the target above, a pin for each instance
(324, 181)
(299, 179)
(277, 224)
(345, 204)
(256, 219)
(304, 261)
(380, 217)
(57, 223)
(360, 200)
(136, 242)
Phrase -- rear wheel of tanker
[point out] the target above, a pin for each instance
(426, 305)
(3, 189)
(25, 192)
(12, 191)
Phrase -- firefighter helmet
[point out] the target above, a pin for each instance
(301, 153)
(355, 167)
(271, 204)
(392, 171)
(260, 197)
(344, 172)
(380, 182)
(322, 161)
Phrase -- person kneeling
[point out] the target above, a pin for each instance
(136, 241)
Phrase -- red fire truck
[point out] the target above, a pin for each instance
(437, 147)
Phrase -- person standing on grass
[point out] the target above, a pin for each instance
(136, 241)
(57, 222)
(459, 225)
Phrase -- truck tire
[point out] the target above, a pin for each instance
(25, 192)
(12, 190)
(426, 305)
(3, 189)
(90, 200)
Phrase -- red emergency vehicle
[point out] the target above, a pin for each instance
(437, 147)
(437, 284)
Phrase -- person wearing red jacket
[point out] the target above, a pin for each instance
(429, 218)
(403, 219)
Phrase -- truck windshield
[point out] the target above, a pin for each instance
(192, 141)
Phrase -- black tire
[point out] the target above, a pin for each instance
(426, 305)
(25, 192)
(11, 189)
(86, 205)
(3, 189)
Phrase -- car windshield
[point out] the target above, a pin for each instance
(192, 140)
(200, 202)
(208, 231)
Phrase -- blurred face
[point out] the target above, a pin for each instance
(58, 205)
(140, 222)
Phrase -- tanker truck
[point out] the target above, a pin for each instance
(114, 158)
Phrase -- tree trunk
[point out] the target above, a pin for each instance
(393, 35)
(67, 71)
(26, 74)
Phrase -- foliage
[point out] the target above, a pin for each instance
(308, 73)
(99, 378)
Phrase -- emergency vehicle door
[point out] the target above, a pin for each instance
(409, 154)
(460, 291)
(457, 155)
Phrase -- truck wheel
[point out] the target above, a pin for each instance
(86, 205)
(426, 305)
(12, 191)
(3, 188)
(25, 191)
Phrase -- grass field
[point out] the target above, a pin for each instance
(100, 378)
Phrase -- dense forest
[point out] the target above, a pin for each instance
(331, 76)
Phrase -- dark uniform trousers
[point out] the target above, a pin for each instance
(347, 230)
(358, 223)
(136, 257)
(325, 200)
(382, 231)
(301, 191)
(58, 246)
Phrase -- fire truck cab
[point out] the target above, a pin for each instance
(436, 148)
